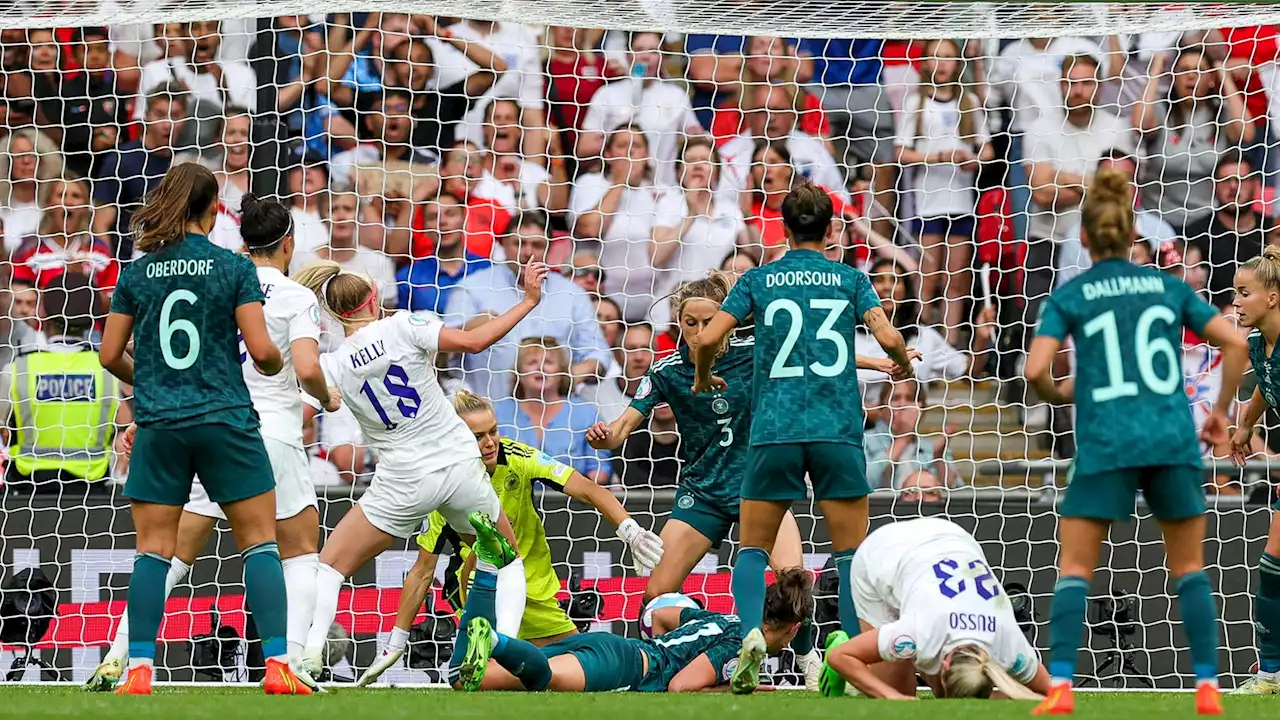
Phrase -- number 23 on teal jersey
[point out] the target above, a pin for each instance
(824, 333)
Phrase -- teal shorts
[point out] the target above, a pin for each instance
(609, 662)
(1173, 492)
(776, 473)
(712, 520)
(232, 464)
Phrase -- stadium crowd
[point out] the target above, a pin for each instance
(440, 157)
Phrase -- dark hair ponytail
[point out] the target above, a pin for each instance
(264, 224)
(186, 194)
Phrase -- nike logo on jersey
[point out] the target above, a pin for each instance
(368, 354)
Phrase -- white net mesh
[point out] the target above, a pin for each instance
(408, 145)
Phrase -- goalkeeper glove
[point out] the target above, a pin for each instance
(646, 548)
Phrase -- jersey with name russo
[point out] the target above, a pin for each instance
(806, 308)
(386, 371)
(700, 631)
(186, 356)
(714, 428)
(941, 594)
(519, 467)
(292, 313)
(1126, 323)
(1265, 368)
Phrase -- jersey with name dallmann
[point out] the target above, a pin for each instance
(292, 313)
(806, 308)
(714, 428)
(1126, 324)
(183, 301)
(700, 631)
(387, 374)
(1265, 368)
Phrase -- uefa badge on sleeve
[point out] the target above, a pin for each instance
(644, 388)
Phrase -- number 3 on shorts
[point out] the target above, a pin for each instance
(186, 327)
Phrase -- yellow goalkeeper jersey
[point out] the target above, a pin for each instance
(519, 467)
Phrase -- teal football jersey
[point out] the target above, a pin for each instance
(1265, 369)
(700, 631)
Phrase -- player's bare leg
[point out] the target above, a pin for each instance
(682, 548)
(1079, 542)
(1184, 546)
(759, 521)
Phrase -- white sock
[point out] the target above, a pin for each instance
(511, 598)
(178, 571)
(300, 588)
(140, 662)
(328, 585)
(399, 639)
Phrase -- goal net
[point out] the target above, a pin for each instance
(440, 146)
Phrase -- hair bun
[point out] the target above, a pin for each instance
(247, 201)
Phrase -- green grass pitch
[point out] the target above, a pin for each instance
(66, 703)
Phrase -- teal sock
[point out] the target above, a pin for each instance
(264, 589)
(802, 643)
(1066, 625)
(481, 603)
(1200, 621)
(524, 660)
(1266, 614)
(748, 586)
(146, 603)
(848, 611)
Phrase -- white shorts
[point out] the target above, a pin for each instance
(397, 506)
(295, 491)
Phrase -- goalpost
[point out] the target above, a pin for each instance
(280, 119)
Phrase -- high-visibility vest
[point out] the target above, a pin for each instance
(64, 406)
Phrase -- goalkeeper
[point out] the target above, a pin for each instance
(514, 468)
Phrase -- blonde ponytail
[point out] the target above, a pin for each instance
(1107, 215)
(466, 402)
(971, 673)
(340, 294)
(1266, 267)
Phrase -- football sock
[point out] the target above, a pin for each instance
(146, 606)
(524, 660)
(399, 639)
(328, 585)
(481, 603)
(1267, 614)
(1200, 621)
(1066, 625)
(848, 612)
(802, 643)
(265, 591)
(120, 644)
(748, 586)
(511, 598)
(300, 585)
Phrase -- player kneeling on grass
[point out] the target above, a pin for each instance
(513, 468)
(928, 602)
(698, 654)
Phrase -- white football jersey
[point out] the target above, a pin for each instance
(292, 313)
(387, 374)
(935, 580)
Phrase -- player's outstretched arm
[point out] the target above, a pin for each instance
(115, 336)
(480, 337)
(1039, 371)
(611, 437)
(853, 660)
(645, 546)
(253, 326)
(1222, 334)
(704, 351)
(889, 338)
(697, 676)
(885, 365)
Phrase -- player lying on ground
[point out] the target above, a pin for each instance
(714, 442)
(427, 458)
(183, 303)
(696, 655)
(807, 418)
(1134, 429)
(1257, 304)
(928, 602)
(513, 468)
(293, 323)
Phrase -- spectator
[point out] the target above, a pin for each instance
(587, 274)
(341, 216)
(462, 176)
(29, 161)
(1062, 154)
(695, 226)
(388, 127)
(508, 177)
(738, 262)
(611, 329)
(543, 414)
(564, 314)
(425, 283)
(340, 454)
(229, 161)
(618, 208)
(650, 458)
(301, 74)
(128, 174)
(942, 136)
(714, 72)
(644, 101)
(771, 116)
(614, 393)
(1185, 133)
(77, 105)
(65, 242)
(18, 108)
(308, 192)
(575, 73)
(921, 487)
(1235, 231)
(214, 82)
(898, 456)
(1026, 77)
(770, 61)
(20, 326)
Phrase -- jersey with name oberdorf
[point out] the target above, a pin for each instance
(1126, 323)
(292, 313)
(386, 372)
(183, 301)
(806, 308)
